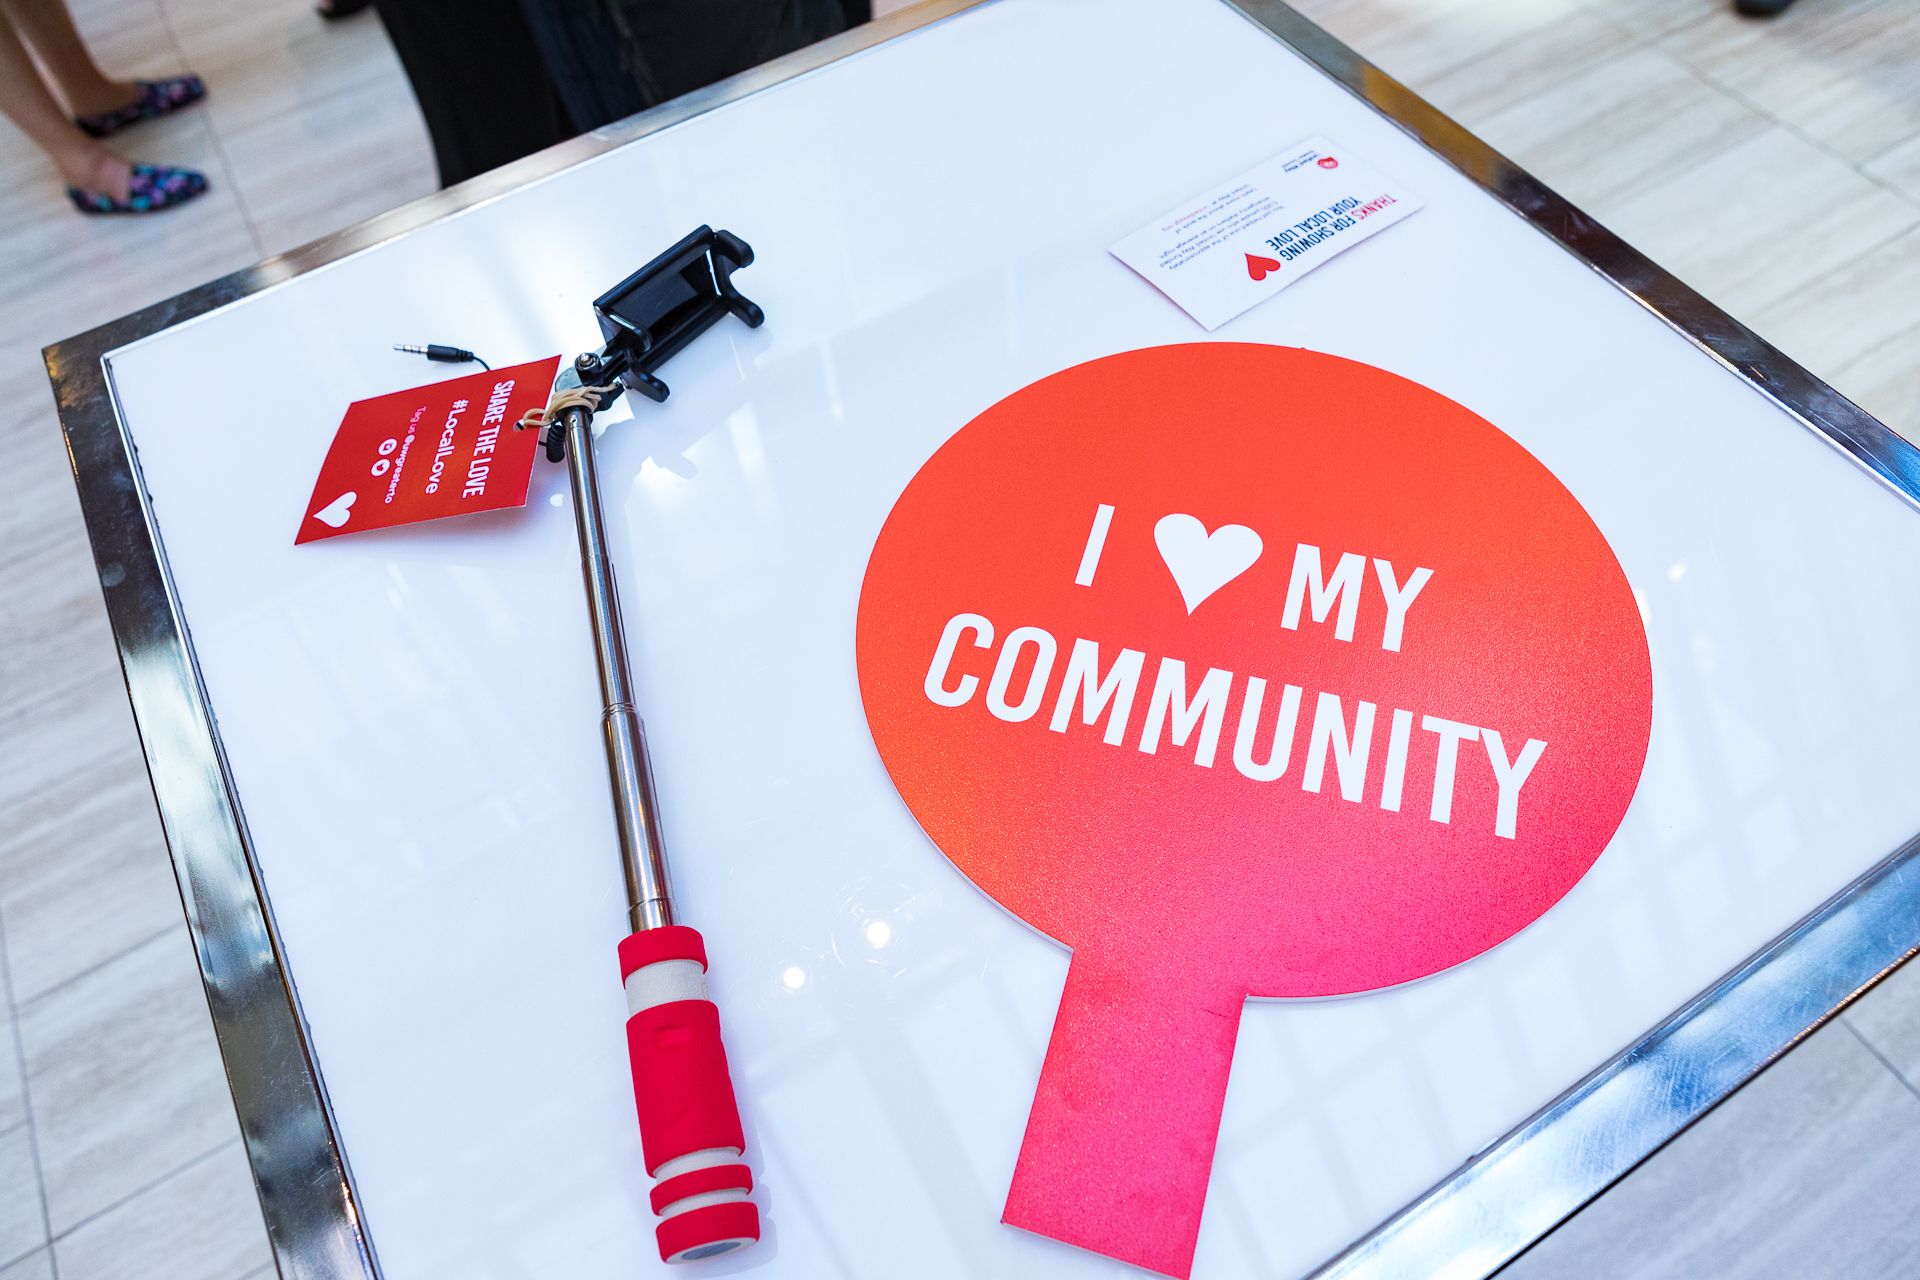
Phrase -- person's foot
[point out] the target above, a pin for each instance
(116, 186)
(96, 170)
(1760, 8)
(141, 100)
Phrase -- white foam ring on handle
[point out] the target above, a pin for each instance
(696, 1160)
(663, 982)
(725, 1195)
(707, 1159)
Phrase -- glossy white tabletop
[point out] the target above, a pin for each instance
(411, 716)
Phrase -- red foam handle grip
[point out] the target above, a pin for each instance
(680, 1083)
(690, 1130)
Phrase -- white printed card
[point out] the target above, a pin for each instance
(1247, 239)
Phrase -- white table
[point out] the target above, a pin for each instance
(382, 787)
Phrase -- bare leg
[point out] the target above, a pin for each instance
(46, 27)
(25, 99)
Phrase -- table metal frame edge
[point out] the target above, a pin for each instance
(1473, 1222)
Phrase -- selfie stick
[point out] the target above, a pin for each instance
(690, 1133)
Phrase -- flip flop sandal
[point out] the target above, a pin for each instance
(153, 186)
(156, 98)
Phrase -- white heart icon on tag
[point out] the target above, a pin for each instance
(334, 514)
(1202, 562)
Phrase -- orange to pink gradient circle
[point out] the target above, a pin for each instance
(1186, 880)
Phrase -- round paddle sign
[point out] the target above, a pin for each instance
(1241, 671)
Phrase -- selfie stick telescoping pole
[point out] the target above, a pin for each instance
(690, 1131)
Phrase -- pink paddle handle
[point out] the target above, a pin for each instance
(689, 1122)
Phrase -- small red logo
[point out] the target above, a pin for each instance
(1327, 162)
(1259, 268)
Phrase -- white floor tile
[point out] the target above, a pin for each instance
(1899, 167)
(63, 639)
(1531, 64)
(271, 57)
(1845, 72)
(13, 1100)
(1861, 306)
(1415, 41)
(204, 1221)
(1647, 18)
(23, 1226)
(1761, 220)
(84, 870)
(129, 38)
(37, 1267)
(1804, 1173)
(373, 133)
(41, 502)
(1885, 381)
(1888, 1018)
(124, 1078)
(1604, 132)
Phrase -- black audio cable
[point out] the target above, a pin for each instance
(446, 355)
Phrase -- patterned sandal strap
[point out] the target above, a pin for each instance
(153, 98)
(150, 187)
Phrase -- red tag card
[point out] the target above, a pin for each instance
(441, 450)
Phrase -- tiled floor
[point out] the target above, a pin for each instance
(119, 1154)
(1706, 140)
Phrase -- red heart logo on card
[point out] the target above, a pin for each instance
(335, 513)
(1258, 267)
(1327, 162)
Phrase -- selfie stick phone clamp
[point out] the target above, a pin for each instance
(690, 1132)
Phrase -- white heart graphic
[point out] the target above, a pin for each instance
(1203, 562)
(334, 514)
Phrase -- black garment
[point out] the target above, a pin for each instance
(484, 92)
(500, 79)
(611, 58)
